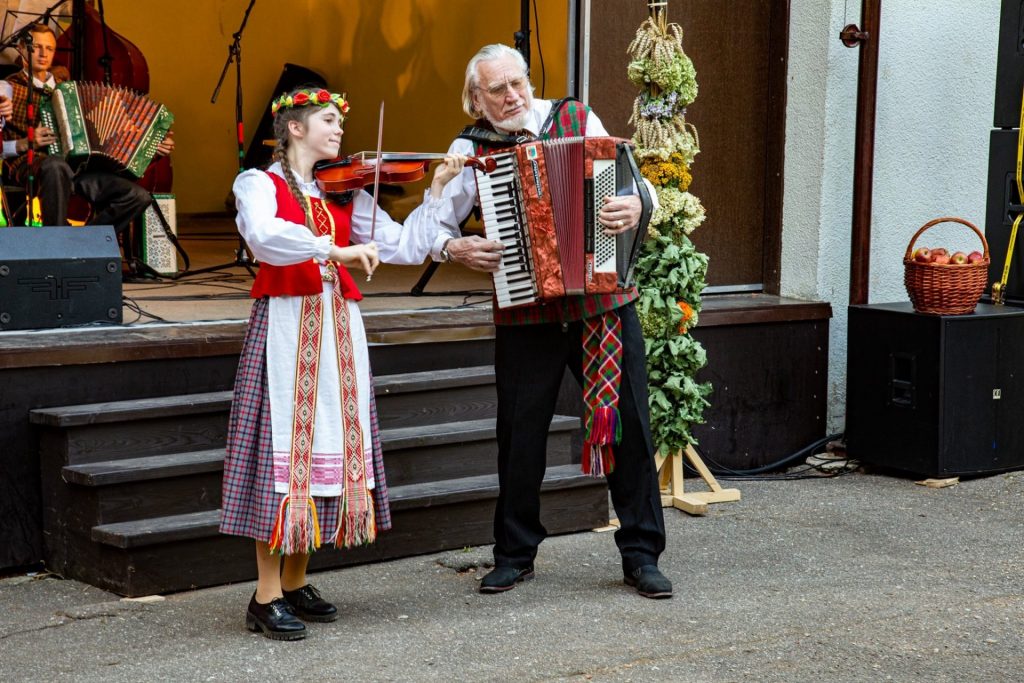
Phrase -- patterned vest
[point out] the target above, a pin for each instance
(571, 121)
(304, 279)
(18, 124)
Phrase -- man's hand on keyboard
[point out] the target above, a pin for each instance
(476, 252)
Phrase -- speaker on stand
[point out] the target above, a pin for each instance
(1003, 203)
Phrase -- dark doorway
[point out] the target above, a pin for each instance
(739, 48)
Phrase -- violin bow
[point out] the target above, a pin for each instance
(376, 177)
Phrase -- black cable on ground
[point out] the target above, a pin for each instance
(725, 472)
(134, 307)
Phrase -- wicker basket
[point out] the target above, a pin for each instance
(945, 289)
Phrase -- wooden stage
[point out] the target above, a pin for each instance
(112, 437)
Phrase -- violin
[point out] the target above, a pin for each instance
(357, 171)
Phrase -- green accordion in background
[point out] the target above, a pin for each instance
(104, 126)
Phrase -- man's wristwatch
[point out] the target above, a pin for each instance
(445, 256)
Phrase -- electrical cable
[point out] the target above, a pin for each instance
(134, 307)
(540, 50)
(726, 472)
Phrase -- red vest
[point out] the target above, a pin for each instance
(304, 279)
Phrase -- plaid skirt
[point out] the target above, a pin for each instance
(249, 505)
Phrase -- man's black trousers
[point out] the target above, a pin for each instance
(115, 200)
(529, 364)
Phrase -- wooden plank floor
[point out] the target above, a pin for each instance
(223, 295)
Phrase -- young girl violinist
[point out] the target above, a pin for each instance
(303, 463)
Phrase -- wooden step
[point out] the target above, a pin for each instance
(96, 432)
(444, 434)
(137, 488)
(391, 358)
(109, 472)
(422, 398)
(159, 434)
(64, 417)
(212, 559)
(421, 454)
(176, 483)
(195, 525)
(433, 379)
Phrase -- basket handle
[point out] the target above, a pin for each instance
(945, 219)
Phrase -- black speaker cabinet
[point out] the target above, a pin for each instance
(59, 276)
(1009, 65)
(936, 396)
(1001, 208)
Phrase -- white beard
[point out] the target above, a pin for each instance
(515, 123)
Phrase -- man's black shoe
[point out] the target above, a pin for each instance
(275, 620)
(309, 606)
(649, 582)
(502, 579)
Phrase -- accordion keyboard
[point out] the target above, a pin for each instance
(504, 221)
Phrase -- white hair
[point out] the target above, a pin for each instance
(487, 53)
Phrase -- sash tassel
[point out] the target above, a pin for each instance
(602, 376)
(296, 528)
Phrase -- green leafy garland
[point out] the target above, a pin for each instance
(671, 272)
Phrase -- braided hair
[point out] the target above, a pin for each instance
(281, 138)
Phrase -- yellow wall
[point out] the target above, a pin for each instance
(410, 53)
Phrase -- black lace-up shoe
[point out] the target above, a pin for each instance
(501, 579)
(275, 620)
(309, 606)
(649, 582)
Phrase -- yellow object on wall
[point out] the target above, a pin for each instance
(410, 53)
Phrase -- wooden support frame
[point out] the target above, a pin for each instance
(673, 494)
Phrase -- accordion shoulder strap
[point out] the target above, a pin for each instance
(488, 137)
(547, 127)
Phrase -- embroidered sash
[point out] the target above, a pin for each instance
(297, 529)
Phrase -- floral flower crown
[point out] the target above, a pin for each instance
(304, 98)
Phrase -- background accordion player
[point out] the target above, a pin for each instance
(105, 126)
(542, 202)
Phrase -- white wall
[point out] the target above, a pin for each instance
(936, 82)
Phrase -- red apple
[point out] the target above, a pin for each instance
(940, 259)
(959, 258)
(940, 250)
(975, 257)
(923, 255)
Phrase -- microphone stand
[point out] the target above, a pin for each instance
(242, 256)
(522, 36)
(31, 116)
(47, 14)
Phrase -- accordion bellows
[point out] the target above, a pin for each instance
(105, 125)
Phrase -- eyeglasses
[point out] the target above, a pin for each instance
(498, 91)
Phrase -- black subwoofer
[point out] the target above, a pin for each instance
(936, 395)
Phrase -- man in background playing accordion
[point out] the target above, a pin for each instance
(115, 200)
(535, 343)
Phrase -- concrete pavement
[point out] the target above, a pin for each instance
(857, 578)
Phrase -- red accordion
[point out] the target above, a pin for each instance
(542, 202)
